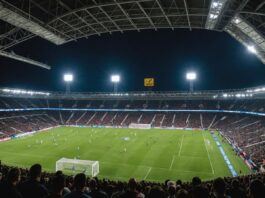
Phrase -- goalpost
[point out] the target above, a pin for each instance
(87, 167)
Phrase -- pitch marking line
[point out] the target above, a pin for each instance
(148, 172)
(173, 159)
(208, 154)
(181, 145)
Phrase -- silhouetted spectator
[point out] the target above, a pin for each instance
(94, 191)
(257, 189)
(79, 187)
(58, 184)
(182, 194)
(171, 191)
(132, 190)
(1, 177)
(196, 181)
(32, 188)
(156, 192)
(236, 190)
(8, 188)
(219, 188)
(199, 192)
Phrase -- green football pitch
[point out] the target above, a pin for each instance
(150, 154)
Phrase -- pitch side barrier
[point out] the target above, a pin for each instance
(134, 110)
(248, 161)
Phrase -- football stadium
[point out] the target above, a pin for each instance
(130, 134)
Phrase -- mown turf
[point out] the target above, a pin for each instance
(154, 154)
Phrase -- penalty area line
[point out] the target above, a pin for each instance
(208, 153)
(181, 145)
(172, 161)
(148, 172)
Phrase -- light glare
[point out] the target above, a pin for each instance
(191, 76)
(68, 77)
(115, 78)
(252, 49)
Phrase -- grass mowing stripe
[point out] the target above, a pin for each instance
(153, 167)
(208, 153)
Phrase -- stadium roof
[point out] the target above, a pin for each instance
(61, 21)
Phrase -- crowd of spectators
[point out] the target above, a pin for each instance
(33, 183)
(255, 105)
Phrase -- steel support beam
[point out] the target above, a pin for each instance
(126, 15)
(20, 21)
(24, 59)
(187, 12)
(108, 16)
(163, 11)
(146, 15)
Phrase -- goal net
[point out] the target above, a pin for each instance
(73, 166)
(140, 126)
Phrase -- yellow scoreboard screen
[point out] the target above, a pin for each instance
(149, 82)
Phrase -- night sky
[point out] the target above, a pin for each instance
(219, 60)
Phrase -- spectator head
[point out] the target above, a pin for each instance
(35, 172)
(172, 191)
(219, 187)
(235, 183)
(179, 182)
(156, 192)
(92, 184)
(1, 176)
(196, 181)
(171, 183)
(58, 184)
(80, 181)
(132, 184)
(182, 194)
(256, 189)
(13, 176)
(200, 192)
(59, 172)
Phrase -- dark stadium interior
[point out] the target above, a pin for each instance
(221, 42)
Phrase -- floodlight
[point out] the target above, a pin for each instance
(68, 77)
(191, 76)
(252, 49)
(115, 78)
(237, 20)
(213, 16)
(216, 9)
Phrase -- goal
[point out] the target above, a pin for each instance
(140, 126)
(87, 167)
